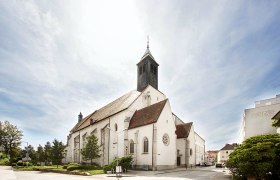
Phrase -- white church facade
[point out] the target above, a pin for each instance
(141, 124)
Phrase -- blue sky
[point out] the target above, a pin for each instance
(58, 58)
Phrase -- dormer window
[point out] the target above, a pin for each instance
(92, 121)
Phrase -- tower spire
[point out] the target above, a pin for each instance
(148, 42)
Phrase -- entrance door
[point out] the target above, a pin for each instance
(178, 161)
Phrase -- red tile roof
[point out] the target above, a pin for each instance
(183, 130)
(230, 146)
(147, 115)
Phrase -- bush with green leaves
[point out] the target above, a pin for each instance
(4, 162)
(76, 166)
(73, 167)
(258, 156)
(124, 162)
(24, 163)
(73, 164)
(14, 164)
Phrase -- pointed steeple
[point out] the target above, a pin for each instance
(147, 70)
(148, 52)
(148, 42)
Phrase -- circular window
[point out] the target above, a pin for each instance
(165, 139)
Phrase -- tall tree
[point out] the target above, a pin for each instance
(91, 149)
(10, 139)
(57, 152)
(40, 154)
(31, 154)
(47, 153)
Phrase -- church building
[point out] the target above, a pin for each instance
(140, 124)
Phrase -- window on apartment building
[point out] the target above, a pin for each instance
(131, 147)
(116, 127)
(146, 145)
(190, 151)
(227, 152)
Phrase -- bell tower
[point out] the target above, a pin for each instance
(147, 70)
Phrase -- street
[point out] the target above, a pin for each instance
(200, 173)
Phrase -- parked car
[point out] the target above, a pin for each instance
(219, 165)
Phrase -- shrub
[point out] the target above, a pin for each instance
(89, 167)
(124, 162)
(4, 161)
(73, 164)
(73, 167)
(64, 167)
(20, 163)
(14, 164)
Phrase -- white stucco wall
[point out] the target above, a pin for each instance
(143, 101)
(257, 121)
(223, 155)
(199, 149)
(137, 135)
(191, 144)
(71, 149)
(166, 154)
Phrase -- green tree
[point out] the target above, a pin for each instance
(57, 152)
(91, 149)
(40, 154)
(31, 154)
(258, 156)
(47, 153)
(10, 139)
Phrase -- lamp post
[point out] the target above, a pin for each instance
(118, 168)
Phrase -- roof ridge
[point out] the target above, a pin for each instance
(107, 109)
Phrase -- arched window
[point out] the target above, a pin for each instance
(146, 145)
(131, 147)
(116, 127)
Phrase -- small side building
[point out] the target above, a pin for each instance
(211, 157)
(223, 154)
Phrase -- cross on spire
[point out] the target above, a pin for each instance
(148, 42)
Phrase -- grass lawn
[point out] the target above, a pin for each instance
(54, 167)
(31, 168)
(97, 171)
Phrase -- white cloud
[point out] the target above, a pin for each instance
(59, 59)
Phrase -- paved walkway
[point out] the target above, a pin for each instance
(198, 173)
(7, 173)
